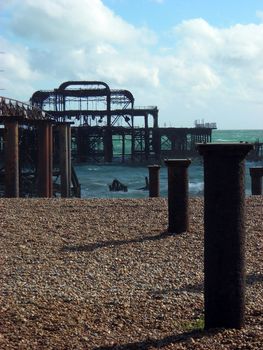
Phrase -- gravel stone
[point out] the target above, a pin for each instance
(104, 274)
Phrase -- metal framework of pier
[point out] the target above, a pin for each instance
(28, 151)
(89, 122)
(107, 125)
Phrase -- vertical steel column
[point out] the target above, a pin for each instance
(156, 143)
(107, 144)
(64, 159)
(44, 160)
(133, 145)
(69, 157)
(155, 119)
(178, 195)
(79, 145)
(11, 159)
(50, 129)
(132, 139)
(123, 148)
(146, 137)
(224, 240)
(256, 180)
(154, 180)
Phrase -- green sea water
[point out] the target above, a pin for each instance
(237, 135)
(95, 178)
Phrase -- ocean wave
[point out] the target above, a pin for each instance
(196, 188)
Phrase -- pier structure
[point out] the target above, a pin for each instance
(106, 124)
(27, 152)
(18, 119)
(257, 153)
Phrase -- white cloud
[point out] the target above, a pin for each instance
(66, 23)
(18, 76)
(231, 55)
(259, 14)
(203, 69)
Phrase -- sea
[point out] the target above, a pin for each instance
(96, 178)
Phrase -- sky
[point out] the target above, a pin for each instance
(193, 59)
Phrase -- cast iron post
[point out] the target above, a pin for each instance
(11, 159)
(50, 136)
(256, 180)
(65, 159)
(107, 144)
(178, 221)
(45, 159)
(224, 238)
(154, 180)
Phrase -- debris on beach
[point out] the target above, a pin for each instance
(118, 186)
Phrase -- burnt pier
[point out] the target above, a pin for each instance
(106, 125)
(35, 158)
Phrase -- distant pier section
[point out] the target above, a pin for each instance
(106, 125)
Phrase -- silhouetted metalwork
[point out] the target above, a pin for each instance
(26, 152)
(11, 160)
(103, 118)
(21, 111)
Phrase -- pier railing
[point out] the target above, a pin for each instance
(13, 108)
(202, 124)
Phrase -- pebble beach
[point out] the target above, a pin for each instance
(103, 274)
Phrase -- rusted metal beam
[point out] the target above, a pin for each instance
(65, 159)
(44, 160)
(123, 148)
(11, 159)
(50, 131)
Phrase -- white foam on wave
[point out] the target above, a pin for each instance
(93, 169)
(196, 188)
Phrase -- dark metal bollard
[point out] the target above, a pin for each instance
(154, 180)
(256, 180)
(178, 195)
(224, 239)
